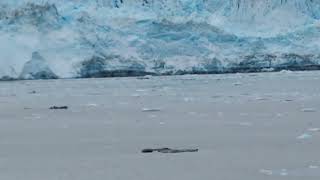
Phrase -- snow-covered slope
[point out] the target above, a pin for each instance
(80, 38)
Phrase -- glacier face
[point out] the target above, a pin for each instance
(79, 38)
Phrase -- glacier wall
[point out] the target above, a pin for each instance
(102, 38)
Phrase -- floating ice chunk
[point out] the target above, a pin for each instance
(314, 129)
(188, 99)
(261, 99)
(313, 167)
(283, 172)
(153, 116)
(92, 105)
(150, 110)
(144, 77)
(244, 124)
(285, 71)
(248, 124)
(33, 117)
(141, 90)
(305, 136)
(36, 116)
(267, 69)
(288, 100)
(192, 113)
(266, 172)
(308, 110)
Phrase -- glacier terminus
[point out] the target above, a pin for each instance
(45, 39)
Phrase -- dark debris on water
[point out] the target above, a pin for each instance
(58, 107)
(168, 150)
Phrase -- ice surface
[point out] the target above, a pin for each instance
(304, 136)
(141, 37)
(37, 68)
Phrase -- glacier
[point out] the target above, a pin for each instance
(44, 39)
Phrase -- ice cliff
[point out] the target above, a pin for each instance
(103, 38)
